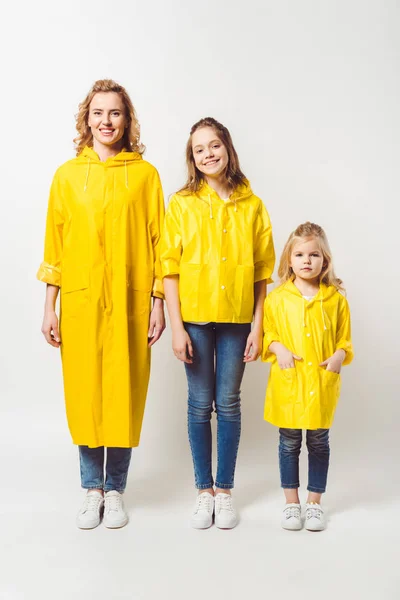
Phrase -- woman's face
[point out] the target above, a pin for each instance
(209, 153)
(107, 119)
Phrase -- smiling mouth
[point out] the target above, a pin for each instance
(211, 162)
(107, 131)
(306, 269)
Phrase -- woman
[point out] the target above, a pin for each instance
(217, 256)
(101, 250)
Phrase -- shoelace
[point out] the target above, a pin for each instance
(113, 503)
(313, 511)
(92, 502)
(292, 511)
(223, 503)
(203, 502)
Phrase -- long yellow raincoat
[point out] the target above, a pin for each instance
(219, 249)
(101, 249)
(305, 396)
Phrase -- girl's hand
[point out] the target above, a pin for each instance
(50, 329)
(157, 322)
(253, 346)
(182, 346)
(334, 363)
(284, 356)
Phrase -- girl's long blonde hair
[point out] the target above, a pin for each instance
(303, 233)
(131, 138)
(233, 174)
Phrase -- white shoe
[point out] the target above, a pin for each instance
(115, 515)
(202, 516)
(291, 517)
(225, 514)
(90, 514)
(315, 520)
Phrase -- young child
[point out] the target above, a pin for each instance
(217, 256)
(307, 339)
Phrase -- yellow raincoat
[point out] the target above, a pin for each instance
(101, 249)
(305, 396)
(219, 249)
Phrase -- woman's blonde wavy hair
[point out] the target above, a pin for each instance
(233, 174)
(302, 233)
(131, 138)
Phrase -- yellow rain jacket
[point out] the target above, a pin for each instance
(305, 396)
(219, 249)
(101, 249)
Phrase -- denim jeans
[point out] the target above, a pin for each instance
(318, 458)
(214, 378)
(116, 468)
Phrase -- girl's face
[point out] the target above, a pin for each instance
(107, 119)
(209, 153)
(307, 260)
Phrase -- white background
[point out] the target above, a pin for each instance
(310, 92)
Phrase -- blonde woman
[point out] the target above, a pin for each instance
(101, 252)
(307, 338)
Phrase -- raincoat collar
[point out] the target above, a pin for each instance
(208, 195)
(89, 154)
(324, 292)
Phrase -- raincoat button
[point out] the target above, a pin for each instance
(224, 230)
(311, 393)
(308, 334)
(224, 258)
(222, 287)
(309, 364)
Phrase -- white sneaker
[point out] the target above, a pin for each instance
(225, 514)
(90, 514)
(315, 520)
(291, 517)
(115, 515)
(202, 516)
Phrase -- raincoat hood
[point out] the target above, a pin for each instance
(242, 192)
(89, 156)
(324, 294)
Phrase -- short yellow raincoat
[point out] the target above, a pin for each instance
(219, 249)
(305, 396)
(101, 249)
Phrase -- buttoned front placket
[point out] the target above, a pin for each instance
(310, 357)
(223, 257)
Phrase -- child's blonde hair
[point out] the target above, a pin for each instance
(304, 232)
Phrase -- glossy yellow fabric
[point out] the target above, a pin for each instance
(305, 397)
(103, 228)
(219, 249)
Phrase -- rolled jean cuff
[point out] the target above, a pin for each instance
(114, 489)
(93, 487)
(290, 486)
(316, 490)
(204, 486)
(224, 486)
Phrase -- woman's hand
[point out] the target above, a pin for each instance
(182, 346)
(157, 321)
(284, 356)
(253, 345)
(50, 328)
(334, 362)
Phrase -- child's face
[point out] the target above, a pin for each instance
(209, 153)
(307, 260)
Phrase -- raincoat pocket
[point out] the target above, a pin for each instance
(74, 292)
(243, 296)
(287, 384)
(330, 385)
(138, 301)
(190, 289)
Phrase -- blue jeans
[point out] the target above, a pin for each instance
(215, 377)
(92, 468)
(318, 458)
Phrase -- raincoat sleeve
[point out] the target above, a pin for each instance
(270, 332)
(343, 333)
(156, 229)
(50, 269)
(171, 246)
(264, 253)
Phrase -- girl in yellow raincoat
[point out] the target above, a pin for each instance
(307, 338)
(217, 256)
(101, 250)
